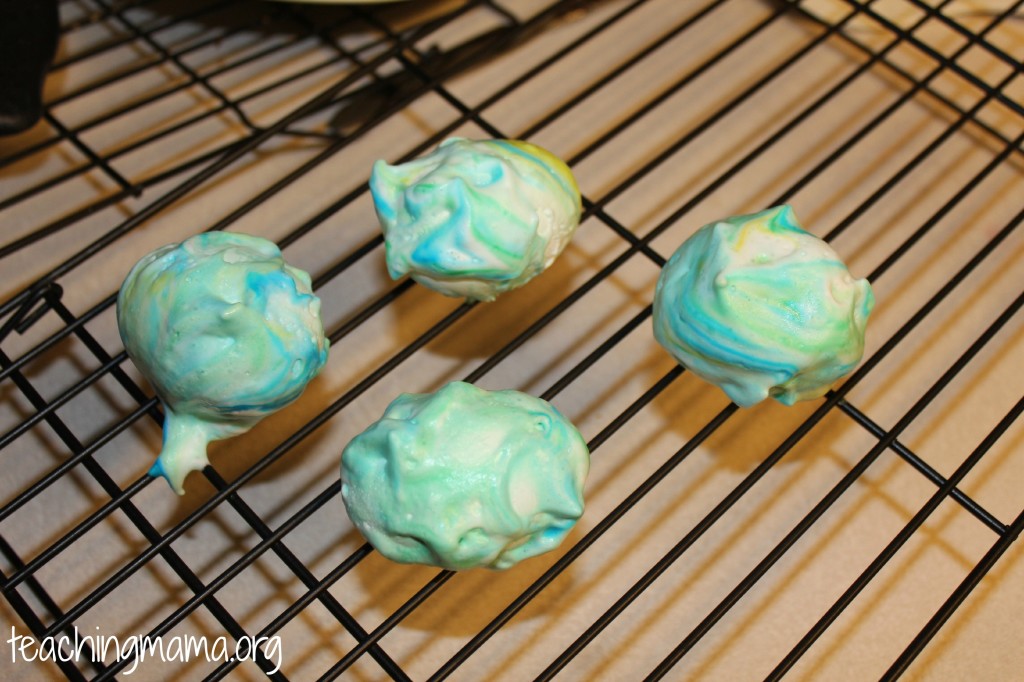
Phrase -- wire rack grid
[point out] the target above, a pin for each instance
(868, 534)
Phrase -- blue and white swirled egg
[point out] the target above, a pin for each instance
(760, 307)
(226, 332)
(475, 218)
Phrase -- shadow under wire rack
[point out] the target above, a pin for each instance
(869, 534)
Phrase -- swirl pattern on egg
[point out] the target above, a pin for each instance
(760, 307)
(475, 218)
(226, 332)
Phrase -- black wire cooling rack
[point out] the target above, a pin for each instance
(867, 534)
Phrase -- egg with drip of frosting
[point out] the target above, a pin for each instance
(226, 332)
(760, 307)
(475, 218)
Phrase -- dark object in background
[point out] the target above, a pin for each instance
(28, 41)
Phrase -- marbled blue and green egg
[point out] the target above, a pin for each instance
(226, 332)
(465, 477)
(475, 218)
(760, 307)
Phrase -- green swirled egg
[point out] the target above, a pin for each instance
(465, 478)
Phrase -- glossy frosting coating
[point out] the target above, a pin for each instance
(226, 332)
(759, 307)
(465, 477)
(475, 218)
